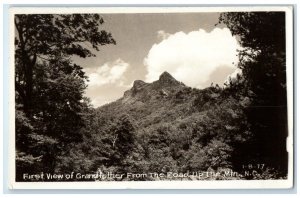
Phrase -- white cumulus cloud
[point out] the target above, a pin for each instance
(192, 57)
(108, 73)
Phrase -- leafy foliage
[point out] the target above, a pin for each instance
(49, 86)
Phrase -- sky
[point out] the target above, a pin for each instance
(187, 45)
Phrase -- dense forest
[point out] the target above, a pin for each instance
(159, 127)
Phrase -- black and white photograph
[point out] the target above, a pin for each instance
(125, 96)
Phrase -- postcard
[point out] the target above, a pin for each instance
(151, 97)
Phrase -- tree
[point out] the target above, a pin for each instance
(49, 86)
(53, 38)
(121, 140)
(262, 60)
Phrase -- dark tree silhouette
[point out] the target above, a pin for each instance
(49, 86)
(263, 65)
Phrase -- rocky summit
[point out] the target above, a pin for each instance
(165, 86)
(163, 98)
(165, 79)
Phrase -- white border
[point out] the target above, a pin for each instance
(232, 184)
(217, 184)
(143, 9)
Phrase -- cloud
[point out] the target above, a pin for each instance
(106, 82)
(108, 73)
(99, 101)
(192, 57)
(162, 34)
(233, 75)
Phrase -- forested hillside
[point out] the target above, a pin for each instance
(163, 127)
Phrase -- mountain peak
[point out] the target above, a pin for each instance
(142, 91)
(138, 83)
(166, 75)
(167, 79)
